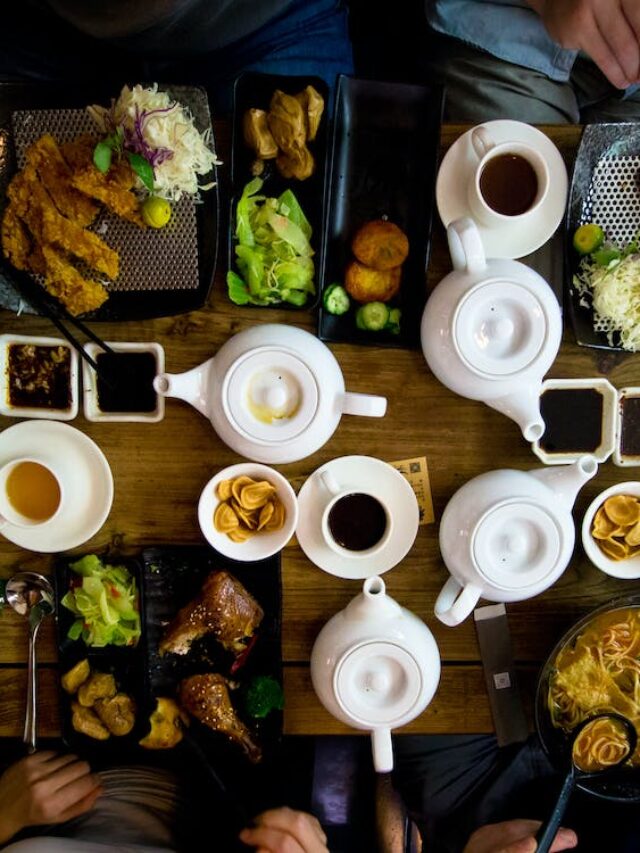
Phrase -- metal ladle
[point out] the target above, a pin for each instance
(30, 594)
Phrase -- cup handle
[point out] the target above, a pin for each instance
(368, 405)
(456, 602)
(330, 483)
(481, 141)
(382, 750)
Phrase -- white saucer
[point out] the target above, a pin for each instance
(360, 473)
(510, 241)
(86, 480)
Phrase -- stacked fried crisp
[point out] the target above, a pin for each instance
(52, 201)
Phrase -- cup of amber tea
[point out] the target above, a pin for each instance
(354, 523)
(509, 183)
(30, 493)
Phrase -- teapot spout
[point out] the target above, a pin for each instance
(190, 386)
(565, 481)
(523, 407)
(373, 602)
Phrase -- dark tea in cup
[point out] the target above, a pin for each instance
(509, 184)
(357, 521)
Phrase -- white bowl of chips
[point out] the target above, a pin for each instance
(611, 531)
(248, 511)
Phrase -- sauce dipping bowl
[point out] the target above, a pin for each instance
(261, 544)
(628, 569)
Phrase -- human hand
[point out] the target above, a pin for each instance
(607, 30)
(516, 836)
(45, 788)
(285, 831)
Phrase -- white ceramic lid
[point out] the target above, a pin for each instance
(499, 328)
(377, 683)
(270, 395)
(516, 544)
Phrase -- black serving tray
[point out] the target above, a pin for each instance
(383, 165)
(255, 90)
(121, 305)
(605, 201)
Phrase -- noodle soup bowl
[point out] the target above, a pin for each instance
(263, 543)
(621, 785)
(625, 569)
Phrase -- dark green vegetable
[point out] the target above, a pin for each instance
(143, 169)
(373, 316)
(336, 299)
(393, 323)
(263, 695)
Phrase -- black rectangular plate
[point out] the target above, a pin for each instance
(383, 165)
(169, 578)
(121, 305)
(598, 141)
(254, 90)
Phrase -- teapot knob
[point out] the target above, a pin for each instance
(276, 398)
(377, 682)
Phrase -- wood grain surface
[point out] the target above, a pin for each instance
(160, 469)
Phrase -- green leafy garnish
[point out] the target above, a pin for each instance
(263, 695)
(142, 168)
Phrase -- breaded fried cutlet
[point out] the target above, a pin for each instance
(45, 156)
(365, 284)
(63, 281)
(79, 152)
(112, 189)
(15, 240)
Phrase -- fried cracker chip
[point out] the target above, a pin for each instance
(236, 487)
(623, 510)
(632, 536)
(246, 507)
(225, 519)
(265, 514)
(602, 526)
(240, 535)
(276, 522)
(256, 495)
(224, 489)
(248, 518)
(614, 549)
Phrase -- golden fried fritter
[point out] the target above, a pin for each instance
(100, 685)
(85, 721)
(112, 189)
(79, 152)
(76, 676)
(365, 284)
(117, 713)
(381, 245)
(63, 281)
(45, 156)
(167, 725)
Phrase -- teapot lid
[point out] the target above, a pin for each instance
(500, 327)
(377, 683)
(516, 544)
(270, 395)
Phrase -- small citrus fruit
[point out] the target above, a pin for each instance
(156, 211)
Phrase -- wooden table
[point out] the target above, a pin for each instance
(160, 469)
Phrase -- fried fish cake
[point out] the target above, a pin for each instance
(365, 284)
(381, 245)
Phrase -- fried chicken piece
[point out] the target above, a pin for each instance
(223, 608)
(206, 697)
(76, 676)
(368, 285)
(100, 685)
(16, 244)
(34, 206)
(45, 156)
(167, 725)
(380, 244)
(85, 721)
(79, 152)
(113, 189)
(63, 280)
(117, 713)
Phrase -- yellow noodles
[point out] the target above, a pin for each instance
(247, 507)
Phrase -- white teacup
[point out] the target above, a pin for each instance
(338, 492)
(487, 150)
(12, 514)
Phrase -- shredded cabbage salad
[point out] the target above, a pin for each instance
(164, 133)
(611, 278)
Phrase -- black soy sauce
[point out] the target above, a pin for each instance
(573, 419)
(357, 521)
(630, 435)
(130, 376)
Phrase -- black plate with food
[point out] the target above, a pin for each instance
(379, 212)
(605, 190)
(296, 110)
(596, 657)
(156, 271)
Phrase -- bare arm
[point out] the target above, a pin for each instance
(607, 30)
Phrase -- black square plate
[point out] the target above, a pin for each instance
(383, 165)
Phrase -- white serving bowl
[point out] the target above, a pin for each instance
(260, 545)
(628, 569)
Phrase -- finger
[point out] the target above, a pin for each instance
(82, 806)
(566, 839)
(67, 797)
(64, 774)
(273, 840)
(305, 828)
(598, 49)
(524, 845)
(56, 762)
(632, 14)
(623, 43)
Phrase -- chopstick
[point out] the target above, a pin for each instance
(48, 306)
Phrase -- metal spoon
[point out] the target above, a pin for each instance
(30, 594)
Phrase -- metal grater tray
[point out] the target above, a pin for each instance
(605, 189)
(161, 272)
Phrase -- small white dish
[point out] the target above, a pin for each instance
(39, 412)
(628, 569)
(85, 476)
(621, 458)
(377, 478)
(92, 411)
(458, 168)
(608, 435)
(261, 545)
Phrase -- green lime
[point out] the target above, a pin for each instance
(588, 238)
(156, 211)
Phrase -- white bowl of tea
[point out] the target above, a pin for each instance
(611, 531)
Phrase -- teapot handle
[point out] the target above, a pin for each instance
(382, 750)
(456, 602)
(465, 246)
(368, 405)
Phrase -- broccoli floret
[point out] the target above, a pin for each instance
(264, 694)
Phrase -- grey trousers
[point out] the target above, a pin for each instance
(481, 87)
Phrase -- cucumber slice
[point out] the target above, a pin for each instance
(336, 300)
(393, 323)
(588, 238)
(373, 316)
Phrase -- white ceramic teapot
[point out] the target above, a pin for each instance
(375, 666)
(491, 330)
(508, 535)
(273, 393)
